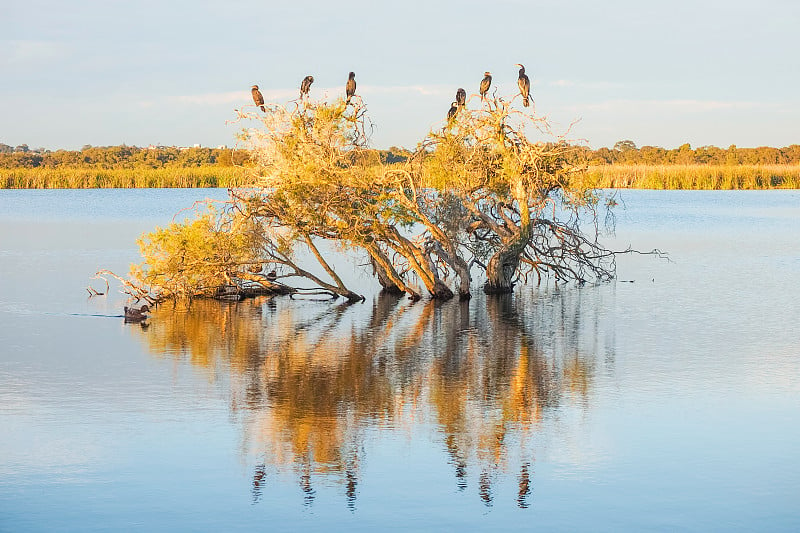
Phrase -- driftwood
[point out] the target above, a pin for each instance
(94, 292)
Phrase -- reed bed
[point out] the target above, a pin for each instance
(121, 178)
(697, 176)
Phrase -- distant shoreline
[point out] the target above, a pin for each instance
(612, 176)
(121, 178)
(693, 177)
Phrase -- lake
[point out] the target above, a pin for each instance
(666, 400)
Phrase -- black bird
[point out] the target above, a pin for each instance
(524, 85)
(136, 315)
(272, 275)
(485, 84)
(350, 88)
(461, 97)
(258, 98)
(306, 85)
(451, 114)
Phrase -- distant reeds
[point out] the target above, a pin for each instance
(613, 176)
(693, 176)
(121, 178)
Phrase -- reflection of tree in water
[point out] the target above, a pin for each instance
(307, 380)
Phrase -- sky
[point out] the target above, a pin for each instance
(659, 73)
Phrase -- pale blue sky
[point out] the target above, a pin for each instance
(169, 72)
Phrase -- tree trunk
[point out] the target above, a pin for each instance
(387, 276)
(447, 252)
(422, 264)
(502, 268)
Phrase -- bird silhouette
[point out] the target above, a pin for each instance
(461, 97)
(485, 84)
(305, 86)
(258, 98)
(350, 87)
(524, 85)
(451, 114)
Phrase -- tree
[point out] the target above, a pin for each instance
(624, 146)
(478, 195)
(521, 214)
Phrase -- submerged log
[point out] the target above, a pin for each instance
(228, 293)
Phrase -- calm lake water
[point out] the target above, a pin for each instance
(669, 399)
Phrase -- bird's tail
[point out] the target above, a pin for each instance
(525, 101)
(264, 109)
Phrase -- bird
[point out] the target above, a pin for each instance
(461, 97)
(524, 85)
(485, 84)
(136, 315)
(272, 275)
(451, 114)
(306, 85)
(258, 98)
(350, 88)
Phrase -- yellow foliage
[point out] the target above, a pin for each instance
(195, 257)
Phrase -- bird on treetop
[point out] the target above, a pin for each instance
(350, 88)
(306, 85)
(461, 97)
(451, 114)
(485, 84)
(258, 98)
(524, 85)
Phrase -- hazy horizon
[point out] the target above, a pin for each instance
(707, 73)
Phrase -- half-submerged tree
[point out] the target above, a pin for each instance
(521, 209)
(477, 197)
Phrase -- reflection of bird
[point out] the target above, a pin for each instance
(451, 114)
(258, 98)
(524, 85)
(136, 315)
(306, 85)
(485, 84)
(350, 88)
(461, 97)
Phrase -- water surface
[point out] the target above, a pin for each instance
(665, 400)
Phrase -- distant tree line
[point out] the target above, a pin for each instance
(623, 152)
(626, 152)
(114, 157)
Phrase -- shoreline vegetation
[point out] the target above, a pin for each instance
(613, 176)
(121, 178)
(693, 177)
(623, 167)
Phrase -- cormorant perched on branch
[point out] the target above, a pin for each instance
(524, 85)
(485, 84)
(306, 85)
(258, 98)
(461, 97)
(350, 87)
(451, 114)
